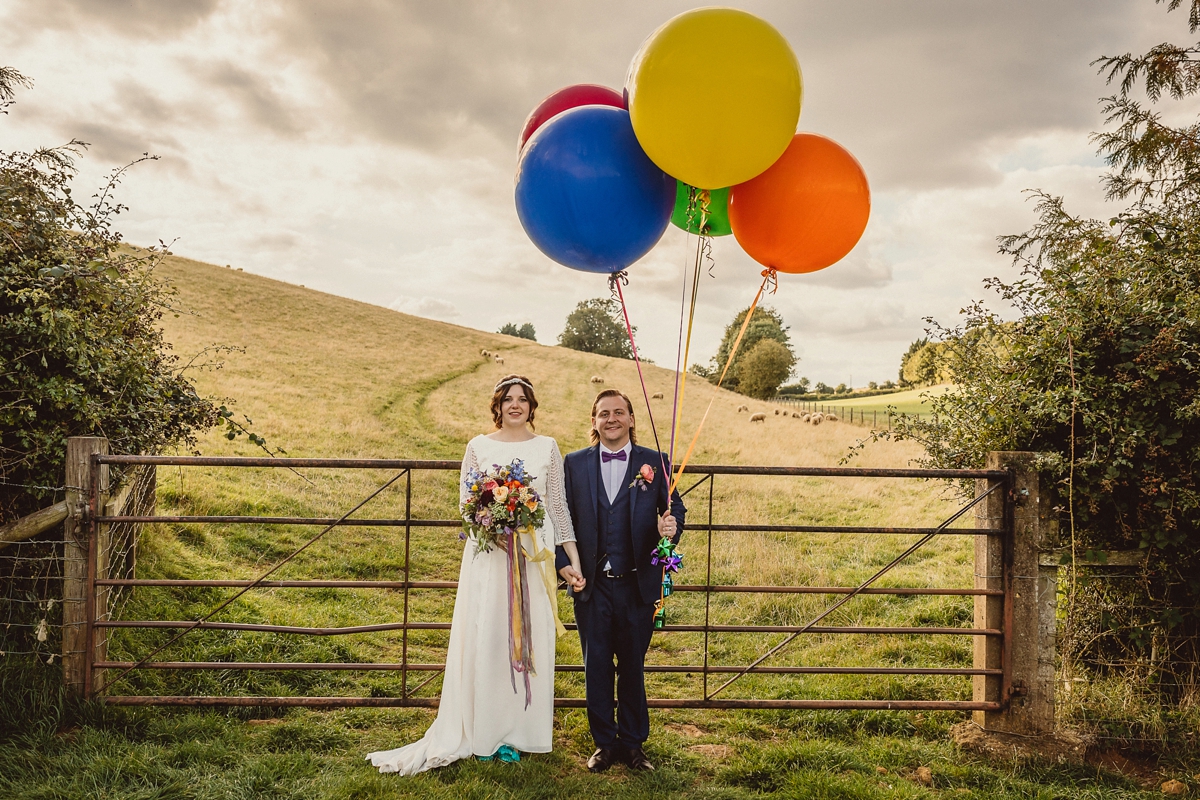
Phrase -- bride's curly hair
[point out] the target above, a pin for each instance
(502, 387)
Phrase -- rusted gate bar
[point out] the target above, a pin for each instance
(455, 523)
(445, 626)
(389, 463)
(559, 702)
(682, 587)
(323, 666)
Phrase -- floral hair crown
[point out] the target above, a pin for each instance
(510, 382)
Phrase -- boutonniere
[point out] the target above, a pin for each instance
(644, 478)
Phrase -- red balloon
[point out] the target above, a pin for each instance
(808, 209)
(581, 94)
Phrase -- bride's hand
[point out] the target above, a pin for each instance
(573, 577)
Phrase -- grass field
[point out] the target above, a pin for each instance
(325, 376)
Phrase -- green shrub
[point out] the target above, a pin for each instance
(81, 351)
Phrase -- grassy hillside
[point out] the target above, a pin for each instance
(325, 376)
(912, 401)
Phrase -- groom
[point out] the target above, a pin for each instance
(620, 510)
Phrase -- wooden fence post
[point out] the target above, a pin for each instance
(79, 561)
(1027, 653)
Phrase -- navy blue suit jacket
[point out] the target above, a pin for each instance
(583, 484)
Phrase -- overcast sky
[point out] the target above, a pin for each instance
(367, 147)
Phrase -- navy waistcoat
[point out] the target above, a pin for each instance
(615, 539)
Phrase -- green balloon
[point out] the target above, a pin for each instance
(715, 217)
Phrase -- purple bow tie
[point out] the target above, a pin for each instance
(606, 456)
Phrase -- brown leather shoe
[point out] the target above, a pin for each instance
(636, 760)
(602, 759)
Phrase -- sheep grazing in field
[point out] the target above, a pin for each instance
(777, 412)
(597, 379)
(498, 359)
(656, 396)
(743, 408)
(817, 418)
(485, 353)
(795, 415)
(831, 417)
(758, 417)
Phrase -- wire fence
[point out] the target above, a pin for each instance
(807, 410)
(1129, 667)
(32, 573)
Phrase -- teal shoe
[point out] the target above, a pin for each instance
(509, 754)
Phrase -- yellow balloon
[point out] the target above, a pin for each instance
(714, 95)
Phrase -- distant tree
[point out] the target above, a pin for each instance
(526, 331)
(840, 389)
(872, 385)
(593, 327)
(765, 324)
(701, 371)
(803, 385)
(823, 388)
(913, 348)
(889, 385)
(764, 368)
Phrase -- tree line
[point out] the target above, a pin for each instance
(763, 361)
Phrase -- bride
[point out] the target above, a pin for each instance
(484, 710)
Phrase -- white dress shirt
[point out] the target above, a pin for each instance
(613, 472)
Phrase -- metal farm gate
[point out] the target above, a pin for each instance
(1009, 688)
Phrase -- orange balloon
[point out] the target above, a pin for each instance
(807, 211)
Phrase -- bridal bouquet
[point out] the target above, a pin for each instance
(500, 502)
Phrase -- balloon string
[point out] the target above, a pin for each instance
(679, 345)
(678, 420)
(697, 200)
(614, 282)
(769, 279)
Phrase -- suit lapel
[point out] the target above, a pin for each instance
(636, 460)
(593, 474)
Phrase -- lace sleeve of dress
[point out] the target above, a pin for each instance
(470, 461)
(556, 500)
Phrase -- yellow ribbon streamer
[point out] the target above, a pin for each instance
(544, 558)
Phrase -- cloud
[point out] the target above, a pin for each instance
(425, 306)
(116, 143)
(128, 18)
(919, 90)
(859, 270)
(254, 94)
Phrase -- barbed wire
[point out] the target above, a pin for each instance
(46, 488)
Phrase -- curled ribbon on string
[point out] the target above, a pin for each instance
(770, 279)
(671, 560)
(615, 281)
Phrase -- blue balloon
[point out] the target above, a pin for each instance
(588, 195)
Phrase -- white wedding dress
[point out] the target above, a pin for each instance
(479, 710)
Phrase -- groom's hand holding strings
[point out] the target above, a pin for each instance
(667, 525)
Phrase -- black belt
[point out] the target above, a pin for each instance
(608, 573)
